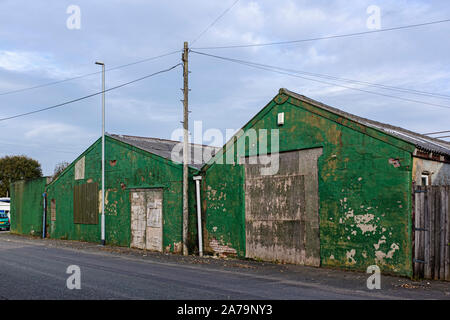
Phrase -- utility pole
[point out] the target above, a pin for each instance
(186, 150)
(103, 153)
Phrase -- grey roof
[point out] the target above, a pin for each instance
(163, 148)
(421, 141)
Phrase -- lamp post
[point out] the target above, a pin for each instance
(103, 152)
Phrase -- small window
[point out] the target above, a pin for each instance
(53, 209)
(280, 120)
(425, 180)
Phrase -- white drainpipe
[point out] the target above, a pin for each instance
(199, 215)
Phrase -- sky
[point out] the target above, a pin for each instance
(42, 42)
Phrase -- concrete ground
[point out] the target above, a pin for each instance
(32, 268)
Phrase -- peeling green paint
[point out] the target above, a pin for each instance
(364, 178)
(127, 168)
(364, 196)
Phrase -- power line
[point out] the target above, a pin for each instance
(323, 38)
(35, 146)
(439, 132)
(87, 74)
(214, 22)
(318, 75)
(90, 95)
(442, 137)
(273, 69)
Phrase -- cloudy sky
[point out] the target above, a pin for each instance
(37, 47)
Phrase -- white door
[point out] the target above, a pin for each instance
(146, 219)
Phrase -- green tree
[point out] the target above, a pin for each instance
(15, 168)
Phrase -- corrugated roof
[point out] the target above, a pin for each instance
(163, 148)
(421, 141)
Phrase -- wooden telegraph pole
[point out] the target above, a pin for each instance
(186, 151)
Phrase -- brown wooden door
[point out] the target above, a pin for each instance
(431, 232)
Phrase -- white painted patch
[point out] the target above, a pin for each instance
(350, 256)
(362, 222)
(380, 255)
(380, 242)
(79, 169)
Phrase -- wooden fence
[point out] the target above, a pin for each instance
(431, 232)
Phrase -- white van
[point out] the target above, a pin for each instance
(5, 206)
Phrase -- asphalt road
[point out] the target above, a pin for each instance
(36, 269)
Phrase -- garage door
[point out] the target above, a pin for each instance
(281, 210)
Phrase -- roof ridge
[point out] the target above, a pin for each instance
(159, 139)
(385, 127)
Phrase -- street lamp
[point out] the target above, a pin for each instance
(103, 152)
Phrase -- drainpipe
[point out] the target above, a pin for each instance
(44, 214)
(103, 153)
(199, 216)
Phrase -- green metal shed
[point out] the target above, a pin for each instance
(143, 195)
(341, 194)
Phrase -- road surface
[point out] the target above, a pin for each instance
(36, 269)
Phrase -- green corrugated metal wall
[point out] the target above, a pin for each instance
(365, 201)
(126, 167)
(27, 206)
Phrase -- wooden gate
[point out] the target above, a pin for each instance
(431, 232)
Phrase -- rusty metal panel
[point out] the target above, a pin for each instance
(275, 198)
(146, 219)
(85, 203)
(281, 210)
